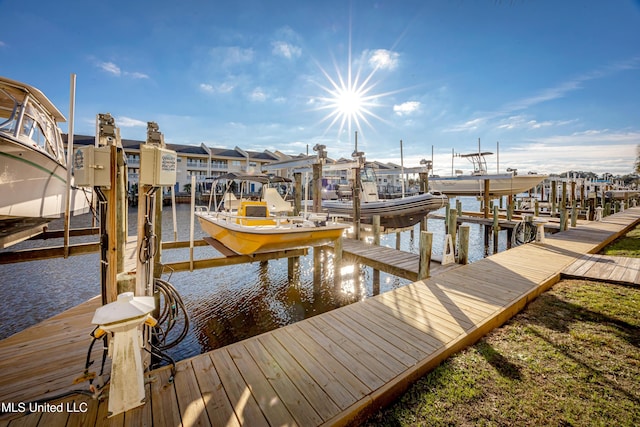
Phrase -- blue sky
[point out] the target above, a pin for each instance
(556, 83)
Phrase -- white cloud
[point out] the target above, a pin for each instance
(258, 95)
(115, 70)
(522, 122)
(232, 55)
(225, 87)
(286, 50)
(2, 44)
(136, 75)
(204, 87)
(406, 108)
(552, 93)
(468, 125)
(127, 122)
(110, 68)
(383, 59)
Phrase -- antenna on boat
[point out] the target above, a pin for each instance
(67, 209)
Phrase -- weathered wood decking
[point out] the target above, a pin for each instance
(615, 269)
(398, 263)
(336, 367)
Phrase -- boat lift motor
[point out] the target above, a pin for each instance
(122, 319)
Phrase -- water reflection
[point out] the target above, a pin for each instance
(225, 304)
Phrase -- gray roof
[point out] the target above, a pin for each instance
(179, 148)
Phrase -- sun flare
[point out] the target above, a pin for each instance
(348, 98)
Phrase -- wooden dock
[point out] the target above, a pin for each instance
(337, 367)
(398, 263)
(615, 269)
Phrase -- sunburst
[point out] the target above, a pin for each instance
(349, 99)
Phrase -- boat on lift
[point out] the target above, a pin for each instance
(250, 225)
(396, 213)
(33, 168)
(500, 184)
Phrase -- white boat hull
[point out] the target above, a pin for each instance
(499, 185)
(33, 185)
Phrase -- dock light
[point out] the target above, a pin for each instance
(122, 319)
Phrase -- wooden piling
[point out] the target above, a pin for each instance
(554, 197)
(496, 229)
(317, 269)
(297, 178)
(463, 244)
(424, 266)
(376, 242)
(453, 225)
(487, 187)
(293, 265)
(356, 202)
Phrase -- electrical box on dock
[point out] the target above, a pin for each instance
(92, 166)
(158, 166)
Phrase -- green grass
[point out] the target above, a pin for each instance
(627, 245)
(570, 358)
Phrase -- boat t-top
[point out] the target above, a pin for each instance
(500, 184)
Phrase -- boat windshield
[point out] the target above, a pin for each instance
(41, 130)
(8, 111)
(37, 128)
(367, 175)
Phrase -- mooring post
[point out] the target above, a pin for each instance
(554, 197)
(297, 177)
(563, 206)
(447, 214)
(376, 242)
(337, 263)
(424, 263)
(317, 269)
(496, 229)
(453, 225)
(293, 264)
(424, 223)
(317, 187)
(463, 245)
(574, 213)
(356, 202)
(487, 188)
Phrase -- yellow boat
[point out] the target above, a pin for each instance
(252, 229)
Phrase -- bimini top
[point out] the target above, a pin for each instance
(14, 85)
(257, 177)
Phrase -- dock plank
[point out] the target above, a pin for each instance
(219, 409)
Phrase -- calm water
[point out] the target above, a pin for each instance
(225, 304)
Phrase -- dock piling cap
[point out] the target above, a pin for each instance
(126, 307)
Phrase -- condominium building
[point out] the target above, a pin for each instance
(199, 161)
